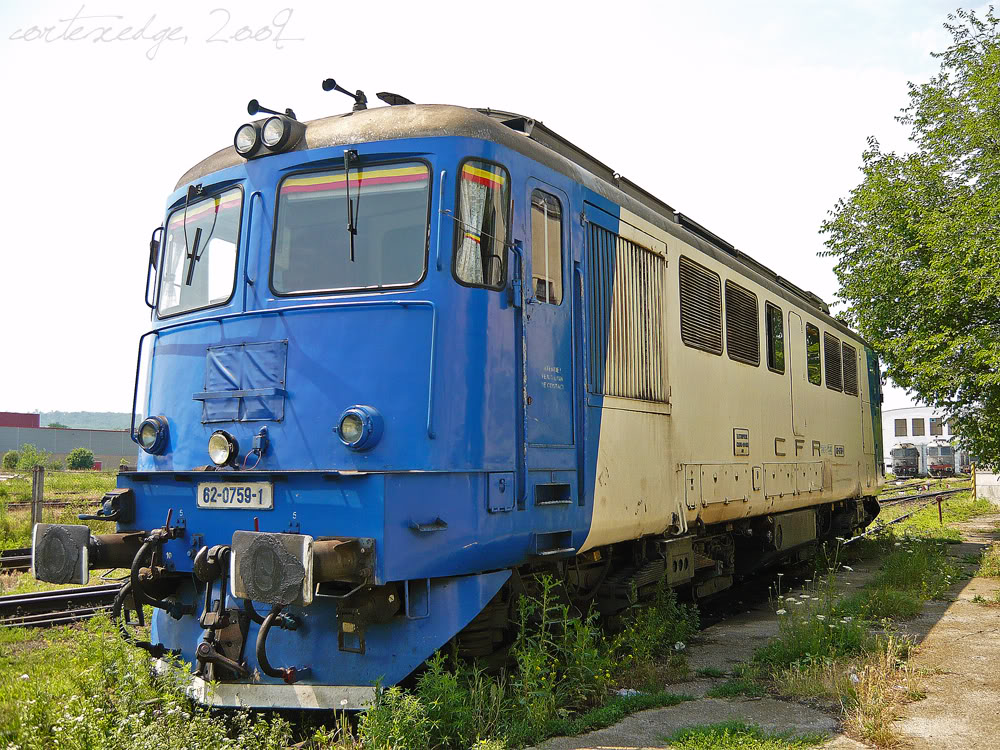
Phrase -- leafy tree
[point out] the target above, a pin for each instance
(58, 424)
(10, 460)
(917, 243)
(80, 458)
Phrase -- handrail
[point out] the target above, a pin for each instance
(221, 318)
(246, 255)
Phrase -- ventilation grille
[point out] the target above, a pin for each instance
(850, 370)
(625, 311)
(831, 353)
(742, 328)
(701, 307)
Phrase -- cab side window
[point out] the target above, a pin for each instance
(483, 222)
(546, 247)
(775, 338)
(814, 364)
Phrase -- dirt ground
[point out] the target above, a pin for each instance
(959, 649)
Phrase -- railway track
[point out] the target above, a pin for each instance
(15, 560)
(55, 504)
(895, 499)
(61, 607)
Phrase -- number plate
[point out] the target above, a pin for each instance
(252, 495)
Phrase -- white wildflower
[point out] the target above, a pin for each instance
(679, 646)
(855, 679)
(848, 568)
(24, 677)
(781, 612)
(820, 617)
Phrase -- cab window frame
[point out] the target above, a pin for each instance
(770, 348)
(326, 168)
(562, 246)
(813, 328)
(161, 255)
(505, 242)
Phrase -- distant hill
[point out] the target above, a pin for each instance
(88, 420)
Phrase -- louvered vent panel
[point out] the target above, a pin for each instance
(701, 307)
(831, 355)
(850, 370)
(742, 329)
(625, 310)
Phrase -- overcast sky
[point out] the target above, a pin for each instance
(748, 116)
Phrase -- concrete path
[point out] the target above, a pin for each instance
(961, 649)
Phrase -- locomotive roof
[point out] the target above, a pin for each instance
(534, 140)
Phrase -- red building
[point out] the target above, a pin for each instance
(19, 419)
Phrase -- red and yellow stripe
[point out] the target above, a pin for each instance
(227, 202)
(483, 177)
(366, 177)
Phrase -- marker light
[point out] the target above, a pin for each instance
(275, 132)
(247, 140)
(152, 434)
(222, 448)
(360, 427)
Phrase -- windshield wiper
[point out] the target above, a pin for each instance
(352, 215)
(193, 255)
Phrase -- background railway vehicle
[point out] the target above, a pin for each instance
(403, 360)
(907, 461)
(940, 459)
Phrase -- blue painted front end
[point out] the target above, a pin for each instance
(458, 375)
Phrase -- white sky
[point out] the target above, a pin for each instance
(748, 116)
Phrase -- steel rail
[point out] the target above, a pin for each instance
(917, 496)
(61, 604)
(14, 560)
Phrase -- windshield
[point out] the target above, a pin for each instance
(200, 272)
(312, 248)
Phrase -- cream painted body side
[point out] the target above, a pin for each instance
(664, 468)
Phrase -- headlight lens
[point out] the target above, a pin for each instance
(351, 428)
(246, 140)
(152, 434)
(360, 427)
(274, 131)
(222, 448)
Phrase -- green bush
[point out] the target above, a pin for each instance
(32, 457)
(80, 458)
(11, 460)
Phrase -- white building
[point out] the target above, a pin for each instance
(918, 425)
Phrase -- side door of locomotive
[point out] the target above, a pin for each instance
(548, 322)
(552, 485)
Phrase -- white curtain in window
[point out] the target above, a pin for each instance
(469, 262)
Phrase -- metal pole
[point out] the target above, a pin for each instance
(37, 488)
(973, 481)
(940, 513)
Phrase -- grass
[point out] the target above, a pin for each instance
(736, 687)
(739, 735)
(957, 508)
(82, 687)
(842, 649)
(989, 563)
(82, 489)
(710, 672)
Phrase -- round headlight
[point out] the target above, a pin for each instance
(152, 434)
(360, 427)
(222, 448)
(351, 428)
(275, 132)
(246, 141)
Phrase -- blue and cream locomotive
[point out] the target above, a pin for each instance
(406, 358)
